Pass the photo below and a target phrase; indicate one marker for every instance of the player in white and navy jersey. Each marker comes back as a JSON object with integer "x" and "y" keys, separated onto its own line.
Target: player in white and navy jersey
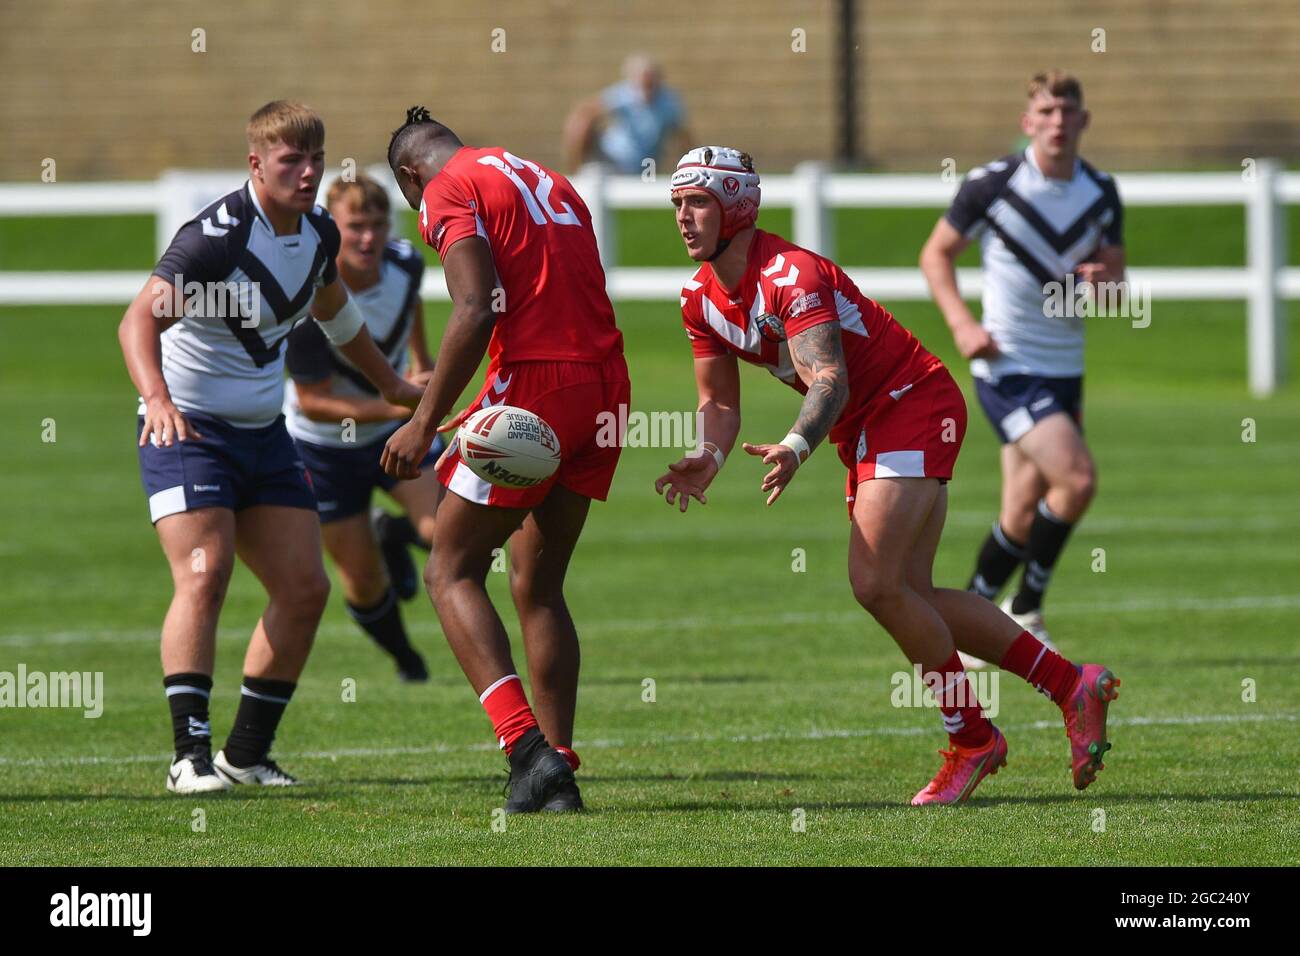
{"x": 340, "y": 422}
{"x": 1044, "y": 218}
{"x": 203, "y": 342}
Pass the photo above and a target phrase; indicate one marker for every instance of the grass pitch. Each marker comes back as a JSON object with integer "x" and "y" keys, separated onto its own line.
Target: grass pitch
{"x": 771, "y": 687}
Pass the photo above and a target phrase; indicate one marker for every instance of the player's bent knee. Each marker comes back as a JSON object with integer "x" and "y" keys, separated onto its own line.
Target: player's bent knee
{"x": 364, "y": 584}
{"x": 530, "y": 594}
{"x": 875, "y": 590}
{"x": 1085, "y": 485}
{"x": 439, "y": 578}
{"x": 1017, "y": 523}
{"x": 1080, "y": 487}
{"x": 924, "y": 589}
{"x": 317, "y": 592}
{"x": 204, "y": 588}
{"x": 306, "y": 595}
{"x": 520, "y": 586}
{"x": 368, "y": 591}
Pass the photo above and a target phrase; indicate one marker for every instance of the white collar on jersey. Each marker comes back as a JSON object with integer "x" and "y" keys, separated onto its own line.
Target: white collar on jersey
{"x": 261, "y": 213}
{"x": 1032, "y": 160}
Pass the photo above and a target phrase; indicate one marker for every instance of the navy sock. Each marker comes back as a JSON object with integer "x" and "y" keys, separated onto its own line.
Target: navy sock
{"x": 1047, "y": 537}
{"x": 400, "y": 528}
{"x": 998, "y": 559}
{"x": 261, "y": 705}
{"x": 187, "y": 698}
{"x": 383, "y": 622}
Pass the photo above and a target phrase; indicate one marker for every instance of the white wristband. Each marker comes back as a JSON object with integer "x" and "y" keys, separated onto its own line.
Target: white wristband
{"x": 346, "y": 324}
{"x": 716, "y": 452}
{"x": 798, "y": 445}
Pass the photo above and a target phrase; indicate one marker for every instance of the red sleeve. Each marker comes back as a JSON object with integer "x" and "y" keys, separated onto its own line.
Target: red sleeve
{"x": 704, "y": 342}
{"x": 799, "y": 292}
{"x": 446, "y": 216}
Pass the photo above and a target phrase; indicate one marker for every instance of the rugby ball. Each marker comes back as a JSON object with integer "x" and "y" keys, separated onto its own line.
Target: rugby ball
{"x": 508, "y": 446}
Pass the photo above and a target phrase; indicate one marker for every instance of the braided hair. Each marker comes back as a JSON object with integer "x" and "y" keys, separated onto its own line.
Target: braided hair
{"x": 417, "y": 120}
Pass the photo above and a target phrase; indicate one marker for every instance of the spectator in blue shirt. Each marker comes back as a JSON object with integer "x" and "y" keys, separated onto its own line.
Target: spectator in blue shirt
{"x": 628, "y": 122}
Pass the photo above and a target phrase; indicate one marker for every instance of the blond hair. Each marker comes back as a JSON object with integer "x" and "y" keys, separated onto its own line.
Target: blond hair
{"x": 1056, "y": 83}
{"x": 362, "y": 193}
{"x": 284, "y": 121}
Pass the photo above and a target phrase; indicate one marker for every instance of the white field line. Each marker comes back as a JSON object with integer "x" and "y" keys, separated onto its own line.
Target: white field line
{"x": 1130, "y": 606}
{"x": 1254, "y": 602}
{"x": 1101, "y": 525}
{"x": 613, "y": 743}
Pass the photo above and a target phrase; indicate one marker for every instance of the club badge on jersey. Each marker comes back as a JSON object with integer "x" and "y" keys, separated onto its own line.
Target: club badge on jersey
{"x": 770, "y": 327}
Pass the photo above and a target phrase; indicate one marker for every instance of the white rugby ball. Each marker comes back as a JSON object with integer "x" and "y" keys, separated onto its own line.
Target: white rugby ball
{"x": 508, "y": 446}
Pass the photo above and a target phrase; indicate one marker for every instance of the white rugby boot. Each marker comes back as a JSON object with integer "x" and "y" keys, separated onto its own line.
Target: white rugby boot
{"x": 193, "y": 773}
{"x": 267, "y": 773}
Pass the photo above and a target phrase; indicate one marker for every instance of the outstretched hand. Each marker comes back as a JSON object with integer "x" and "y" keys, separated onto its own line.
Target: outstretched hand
{"x": 785, "y": 462}
{"x": 686, "y": 479}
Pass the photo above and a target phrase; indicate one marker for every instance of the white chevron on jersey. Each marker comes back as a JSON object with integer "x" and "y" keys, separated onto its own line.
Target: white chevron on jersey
{"x": 218, "y": 364}
{"x": 388, "y": 310}
{"x": 850, "y": 315}
{"x": 747, "y": 339}
{"x": 756, "y": 321}
{"x": 778, "y": 264}
{"x": 499, "y": 390}
{"x": 1033, "y": 231}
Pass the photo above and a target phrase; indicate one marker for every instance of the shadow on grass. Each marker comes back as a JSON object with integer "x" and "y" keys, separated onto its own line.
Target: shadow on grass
{"x": 1184, "y": 663}
{"x": 224, "y": 796}
{"x": 680, "y": 679}
{"x": 788, "y": 804}
{"x": 722, "y": 776}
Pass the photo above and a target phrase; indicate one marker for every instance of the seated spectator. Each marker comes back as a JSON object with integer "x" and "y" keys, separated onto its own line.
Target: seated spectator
{"x": 628, "y": 122}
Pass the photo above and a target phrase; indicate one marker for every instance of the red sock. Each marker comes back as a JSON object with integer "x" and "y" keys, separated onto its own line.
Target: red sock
{"x": 962, "y": 718}
{"x": 508, "y": 709}
{"x": 1048, "y": 672}
{"x": 570, "y": 756}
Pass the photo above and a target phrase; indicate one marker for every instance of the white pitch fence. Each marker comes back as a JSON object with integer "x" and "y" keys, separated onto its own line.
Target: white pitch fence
{"x": 1265, "y": 283}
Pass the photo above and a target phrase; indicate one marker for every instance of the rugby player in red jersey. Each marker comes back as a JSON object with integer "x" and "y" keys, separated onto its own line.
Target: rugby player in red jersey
{"x": 896, "y": 418}
{"x": 527, "y": 287}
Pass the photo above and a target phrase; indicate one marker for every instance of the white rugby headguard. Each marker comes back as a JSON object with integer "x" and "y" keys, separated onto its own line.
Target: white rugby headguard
{"x": 728, "y": 175}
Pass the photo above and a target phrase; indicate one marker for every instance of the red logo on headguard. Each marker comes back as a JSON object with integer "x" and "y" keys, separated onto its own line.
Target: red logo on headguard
{"x": 731, "y": 185}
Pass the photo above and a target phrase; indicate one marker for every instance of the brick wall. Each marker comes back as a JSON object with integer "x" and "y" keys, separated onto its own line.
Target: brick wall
{"x": 113, "y": 90}
{"x": 1181, "y": 82}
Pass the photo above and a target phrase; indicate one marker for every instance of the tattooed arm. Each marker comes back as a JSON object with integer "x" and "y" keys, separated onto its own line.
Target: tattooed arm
{"x": 818, "y": 356}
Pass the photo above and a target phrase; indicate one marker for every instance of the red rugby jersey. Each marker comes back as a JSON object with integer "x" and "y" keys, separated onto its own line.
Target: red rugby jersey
{"x": 543, "y": 247}
{"x": 785, "y": 290}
